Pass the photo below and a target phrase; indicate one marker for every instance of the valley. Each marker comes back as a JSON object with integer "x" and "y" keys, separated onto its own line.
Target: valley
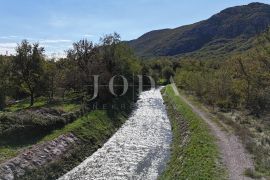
{"x": 189, "y": 102}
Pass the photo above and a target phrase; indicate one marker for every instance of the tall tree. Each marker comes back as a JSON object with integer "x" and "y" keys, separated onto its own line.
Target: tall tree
{"x": 85, "y": 56}
{"x": 27, "y": 66}
{"x": 50, "y": 76}
{"x": 4, "y": 69}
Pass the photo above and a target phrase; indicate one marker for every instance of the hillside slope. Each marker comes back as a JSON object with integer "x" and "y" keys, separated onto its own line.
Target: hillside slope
{"x": 226, "y": 31}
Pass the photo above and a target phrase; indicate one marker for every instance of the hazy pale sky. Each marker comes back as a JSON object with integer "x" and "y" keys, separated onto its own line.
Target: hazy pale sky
{"x": 55, "y": 24}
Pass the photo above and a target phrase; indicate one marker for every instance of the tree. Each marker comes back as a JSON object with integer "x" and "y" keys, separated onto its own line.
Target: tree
{"x": 108, "y": 58}
{"x": 254, "y": 76}
{"x": 4, "y": 69}
{"x": 27, "y": 67}
{"x": 168, "y": 72}
{"x": 109, "y": 44}
{"x": 85, "y": 56}
{"x": 50, "y": 76}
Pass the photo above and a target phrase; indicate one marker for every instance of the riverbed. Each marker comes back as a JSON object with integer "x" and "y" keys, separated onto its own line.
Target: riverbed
{"x": 140, "y": 149}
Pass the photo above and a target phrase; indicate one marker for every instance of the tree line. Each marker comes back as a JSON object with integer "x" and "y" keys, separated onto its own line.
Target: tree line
{"x": 240, "y": 82}
{"x": 30, "y": 74}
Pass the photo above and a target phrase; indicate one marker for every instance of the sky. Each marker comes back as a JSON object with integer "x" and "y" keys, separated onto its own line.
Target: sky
{"x": 56, "y": 24}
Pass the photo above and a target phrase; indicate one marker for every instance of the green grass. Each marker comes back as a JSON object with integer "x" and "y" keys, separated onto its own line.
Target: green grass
{"x": 6, "y": 152}
{"x": 92, "y": 126}
{"x": 24, "y": 104}
{"x": 66, "y": 106}
{"x": 162, "y": 81}
{"x": 198, "y": 157}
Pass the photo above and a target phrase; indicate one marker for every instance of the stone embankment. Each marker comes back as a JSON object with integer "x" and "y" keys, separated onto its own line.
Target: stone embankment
{"x": 37, "y": 156}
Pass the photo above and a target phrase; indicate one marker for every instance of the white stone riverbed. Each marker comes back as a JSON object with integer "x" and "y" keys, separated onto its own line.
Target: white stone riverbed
{"x": 140, "y": 149}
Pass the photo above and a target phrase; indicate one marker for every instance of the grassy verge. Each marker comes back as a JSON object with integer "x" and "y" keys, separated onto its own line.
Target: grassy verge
{"x": 194, "y": 152}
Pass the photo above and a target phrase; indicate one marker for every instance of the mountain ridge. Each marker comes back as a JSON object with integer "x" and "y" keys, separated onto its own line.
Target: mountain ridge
{"x": 239, "y": 23}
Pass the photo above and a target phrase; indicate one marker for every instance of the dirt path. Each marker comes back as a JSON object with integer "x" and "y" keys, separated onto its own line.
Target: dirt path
{"x": 233, "y": 153}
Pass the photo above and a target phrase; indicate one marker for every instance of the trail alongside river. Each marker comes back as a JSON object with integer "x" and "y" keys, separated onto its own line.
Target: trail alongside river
{"x": 234, "y": 155}
{"x": 139, "y": 149}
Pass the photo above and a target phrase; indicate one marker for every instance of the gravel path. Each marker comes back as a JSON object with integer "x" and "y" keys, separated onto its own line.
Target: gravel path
{"x": 236, "y": 159}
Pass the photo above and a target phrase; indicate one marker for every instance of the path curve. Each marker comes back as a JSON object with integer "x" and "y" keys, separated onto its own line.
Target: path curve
{"x": 236, "y": 159}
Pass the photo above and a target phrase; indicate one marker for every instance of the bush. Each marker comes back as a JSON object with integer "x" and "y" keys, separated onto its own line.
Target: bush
{"x": 167, "y": 73}
{"x": 16, "y": 124}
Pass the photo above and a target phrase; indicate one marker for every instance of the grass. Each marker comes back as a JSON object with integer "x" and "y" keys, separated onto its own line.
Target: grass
{"x": 65, "y": 106}
{"x": 6, "y": 153}
{"x": 194, "y": 153}
{"x": 24, "y": 104}
{"x": 89, "y": 127}
{"x": 162, "y": 81}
